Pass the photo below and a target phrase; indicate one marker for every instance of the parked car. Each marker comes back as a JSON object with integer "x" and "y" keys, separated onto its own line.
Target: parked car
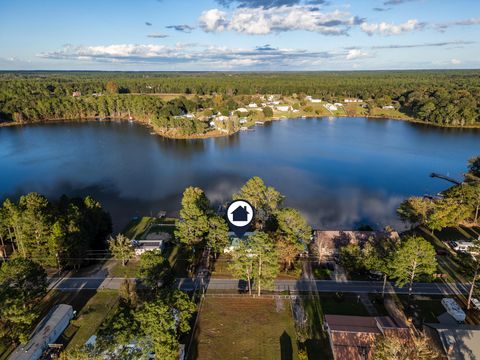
{"x": 476, "y": 304}
{"x": 442, "y": 252}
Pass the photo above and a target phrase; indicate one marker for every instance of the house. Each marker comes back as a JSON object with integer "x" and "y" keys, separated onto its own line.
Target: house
{"x": 388, "y": 107}
{"x": 283, "y": 108}
{"x": 212, "y": 123}
{"x": 76, "y": 94}
{"x": 354, "y": 337}
{"x": 234, "y": 240}
{"x": 142, "y": 246}
{"x": 312, "y": 100}
{"x": 338, "y": 104}
{"x": 353, "y": 101}
{"x": 252, "y": 105}
{"x": 221, "y": 118}
{"x": 243, "y": 120}
{"x": 330, "y": 107}
{"x": 242, "y": 110}
{"x": 45, "y": 334}
{"x": 456, "y": 342}
{"x": 328, "y": 242}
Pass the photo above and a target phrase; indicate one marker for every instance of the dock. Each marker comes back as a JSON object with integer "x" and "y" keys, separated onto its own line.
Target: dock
{"x": 445, "y": 177}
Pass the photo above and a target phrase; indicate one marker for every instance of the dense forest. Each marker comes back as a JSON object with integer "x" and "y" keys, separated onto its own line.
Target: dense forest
{"x": 447, "y": 98}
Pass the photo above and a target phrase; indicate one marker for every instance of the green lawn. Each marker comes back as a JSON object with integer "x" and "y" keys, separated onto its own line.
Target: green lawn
{"x": 136, "y": 227}
{"x": 91, "y": 317}
{"x": 118, "y": 270}
{"x": 244, "y": 328}
{"x": 179, "y": 260}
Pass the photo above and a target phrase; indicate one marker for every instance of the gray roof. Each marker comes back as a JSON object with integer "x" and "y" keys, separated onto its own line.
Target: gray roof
{"x": 46, "y": 332}
{"x": 460, "y": 342}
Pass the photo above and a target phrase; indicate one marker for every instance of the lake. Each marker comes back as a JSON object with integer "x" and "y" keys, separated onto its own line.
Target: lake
{"x": 340, "y": 172}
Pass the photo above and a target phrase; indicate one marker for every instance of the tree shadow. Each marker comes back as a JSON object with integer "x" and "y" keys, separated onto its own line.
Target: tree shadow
{"x": 286, "y": 348}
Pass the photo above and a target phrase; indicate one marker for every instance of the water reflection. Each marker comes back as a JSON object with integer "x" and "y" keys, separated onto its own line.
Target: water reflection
{"x": 341, "y": 173}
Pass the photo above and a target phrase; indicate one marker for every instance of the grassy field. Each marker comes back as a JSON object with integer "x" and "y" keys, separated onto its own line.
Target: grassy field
{"x": 118, "y": 270}
{"x": 137, "y": 228}
{"x": 244, "y": 328}
{"x": 90, "y": 317}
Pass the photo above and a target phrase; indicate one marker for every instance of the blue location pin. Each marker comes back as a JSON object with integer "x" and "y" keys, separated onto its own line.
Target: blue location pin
{"x": 240, "y": 215}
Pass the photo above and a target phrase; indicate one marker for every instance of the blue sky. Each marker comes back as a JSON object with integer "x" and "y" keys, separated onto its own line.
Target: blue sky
{"x": 239, "y": 35}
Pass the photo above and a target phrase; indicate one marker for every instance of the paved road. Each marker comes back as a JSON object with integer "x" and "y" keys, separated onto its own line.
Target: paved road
{"x": 358, "y": 287}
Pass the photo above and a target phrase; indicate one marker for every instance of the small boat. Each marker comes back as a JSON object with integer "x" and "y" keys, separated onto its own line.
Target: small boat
{"x": 259, "y": 123}
{"x": 153, "y": 133}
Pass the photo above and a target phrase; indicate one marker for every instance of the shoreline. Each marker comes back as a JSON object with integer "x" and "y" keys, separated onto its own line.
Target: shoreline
{"x": 172, "y": 133}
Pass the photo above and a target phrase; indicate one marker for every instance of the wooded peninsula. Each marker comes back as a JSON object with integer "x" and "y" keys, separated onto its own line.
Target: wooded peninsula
{"x": 201, "y": 104}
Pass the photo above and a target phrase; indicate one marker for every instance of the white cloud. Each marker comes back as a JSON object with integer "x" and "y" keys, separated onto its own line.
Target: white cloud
{"x": 259, "y": 21}
{"x": 194, "y": 54}
{"x": 465, "y": 22}
{"x": 213, "y": 20}
{"x": 455, "y": 62}
{"x": 385, "y": 28}
{"x": 354, "y": 54}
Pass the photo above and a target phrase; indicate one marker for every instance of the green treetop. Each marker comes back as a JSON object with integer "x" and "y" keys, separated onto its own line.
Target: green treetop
{"x": 414, "y": 258}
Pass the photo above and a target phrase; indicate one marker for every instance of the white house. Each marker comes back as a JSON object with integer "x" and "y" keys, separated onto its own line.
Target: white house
{"x": 313, "y": 100}
{"x": 234, "y": 240}
{"x": 242, "y": 110}
{"x": 388, "y": 107}
{"x": 142, "y": 246}
{"x": 338, "y": 104}
{"x": 353, "y": 101}
{"x": 221, "y": 118}
{"x": 243, "y": 120}
{"x": 252, "y": 105}
{"x": 283, "y": 108}
{"x": 47, "y": 332}
{"x": 330, "y": 107}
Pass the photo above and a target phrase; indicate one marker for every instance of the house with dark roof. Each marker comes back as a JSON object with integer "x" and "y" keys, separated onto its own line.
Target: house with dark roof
{"x": 328, "y": 242}
{"x": 455, "y": 341}
{"x": 354, "y": 337}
